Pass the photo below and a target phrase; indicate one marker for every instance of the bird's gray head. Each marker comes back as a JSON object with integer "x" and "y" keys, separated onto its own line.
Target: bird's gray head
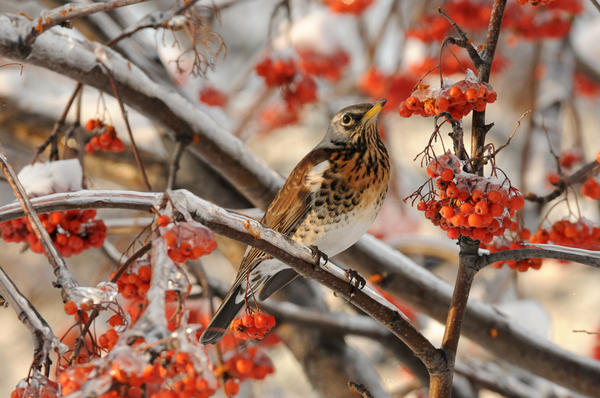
{"x": 353, "y": 123}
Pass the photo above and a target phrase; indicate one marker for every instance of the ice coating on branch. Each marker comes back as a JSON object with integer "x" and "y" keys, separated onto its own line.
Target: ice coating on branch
{"x": 104, "y": 293}
{"x": 47, "y": 178}
{"x": 38, "y": 385}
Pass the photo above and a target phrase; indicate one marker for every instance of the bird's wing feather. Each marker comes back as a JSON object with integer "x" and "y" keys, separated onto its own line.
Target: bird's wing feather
{"x": 290, "y": 206}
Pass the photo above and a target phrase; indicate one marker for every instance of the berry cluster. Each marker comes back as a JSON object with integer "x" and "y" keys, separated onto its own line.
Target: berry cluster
{"x": 297, "y": 89}
{"x": 135, "y": 284}
{"x": 172, "y": 374}
{"x": 318, "y": 64}
{"x": 253, "y": 326}
{"x": 503, "y": 244}
{"x": 355, "y": 7}
{"x": 251, "y": 364}
{"x": 213, "y": 97}
{"x": 579, "y": 234}
{"x": 457, "y": 99}
{"x": 104, "y": 139}
{"x": 550, "y": 21}
{"x": 277, "y": 72}
{"x": 72, "y": 231}
{"x": 467, "y": 204}
{"x": 187, "y": 241}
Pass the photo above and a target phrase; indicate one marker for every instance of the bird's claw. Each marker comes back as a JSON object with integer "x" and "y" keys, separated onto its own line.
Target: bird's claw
{"x": 318, "y": 255}
{"x": 356, "y": 281}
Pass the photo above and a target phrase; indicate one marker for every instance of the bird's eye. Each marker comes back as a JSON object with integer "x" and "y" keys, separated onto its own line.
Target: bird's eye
{"x": 346, "y": 120}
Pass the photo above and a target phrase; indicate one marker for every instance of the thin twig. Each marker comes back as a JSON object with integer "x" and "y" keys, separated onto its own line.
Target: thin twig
{"x": 596, "y": 4}
{"x": 479, "y": 128}
{"x": 463, "y": 42}
{"x": 493, "y": 154}
{"x": 53, "y": 137}
{"x": 136, "y": 154}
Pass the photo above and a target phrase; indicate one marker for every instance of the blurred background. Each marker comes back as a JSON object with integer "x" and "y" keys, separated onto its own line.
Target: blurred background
{"x": 345, "y": 52}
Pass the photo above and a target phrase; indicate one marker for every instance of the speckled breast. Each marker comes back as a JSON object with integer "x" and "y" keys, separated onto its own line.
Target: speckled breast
{"x": 348, "y": 200}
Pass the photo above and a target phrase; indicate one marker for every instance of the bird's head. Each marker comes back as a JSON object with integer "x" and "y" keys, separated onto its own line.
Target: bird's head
{"x": 353, "y": 123}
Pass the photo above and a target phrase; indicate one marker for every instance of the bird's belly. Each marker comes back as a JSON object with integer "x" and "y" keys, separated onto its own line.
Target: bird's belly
{"x": 334, "y": 235}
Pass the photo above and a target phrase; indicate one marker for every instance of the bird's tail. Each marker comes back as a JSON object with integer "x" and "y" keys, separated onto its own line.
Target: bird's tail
{"x": 219, "y": 324}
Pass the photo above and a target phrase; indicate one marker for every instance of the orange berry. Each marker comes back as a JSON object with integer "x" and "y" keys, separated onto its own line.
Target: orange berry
{"x": 163, "y": 220}
{"x": 472, "y": 95}
{"x": 455, "y": 92}
{"x": 496, "y": 210}
{"x": 412, "y": 103}
{"x": 477, "y": 194}
{"x": 517, "y": 202}
{"x": 70, "y": 307}
{"x": 475, "y": 220}
{"x": 231, "y": 387}
{"x": 441, "y": 104}
{"x": 90, "y": 125}
{"x": 491, "y": 97}
{"x": 467, "y": 208}
{"x": 481, "y": 207}
{"x": 598, "y": 157}
{"x": 447, "y": 211}
{"x": 447, "y": 174}
{"x": 494, "y": 196}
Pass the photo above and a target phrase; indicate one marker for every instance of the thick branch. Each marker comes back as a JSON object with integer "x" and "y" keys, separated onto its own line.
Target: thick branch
{"x": 76, "y": 58}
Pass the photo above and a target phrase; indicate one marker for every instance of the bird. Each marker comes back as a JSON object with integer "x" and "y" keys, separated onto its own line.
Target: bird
{"x": 328, "y": 202}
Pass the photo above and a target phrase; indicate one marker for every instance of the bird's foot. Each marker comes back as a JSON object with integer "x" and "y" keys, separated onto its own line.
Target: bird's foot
{"x": 356, "y": 281}
{"x": 318, "y": 255}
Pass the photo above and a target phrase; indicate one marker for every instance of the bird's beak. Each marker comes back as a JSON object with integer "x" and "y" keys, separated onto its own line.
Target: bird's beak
{"x": 374, "y": 111}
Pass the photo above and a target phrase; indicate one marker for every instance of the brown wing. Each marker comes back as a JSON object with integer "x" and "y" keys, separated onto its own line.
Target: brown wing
{"x": 290, "y": 206}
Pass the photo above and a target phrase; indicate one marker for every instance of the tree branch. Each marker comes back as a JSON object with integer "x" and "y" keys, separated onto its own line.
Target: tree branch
{"x": 62, "y": 14}
{"x": 578, "y": 176}
{"x": 64, "y": 278}
{"x": 45, "y": 340}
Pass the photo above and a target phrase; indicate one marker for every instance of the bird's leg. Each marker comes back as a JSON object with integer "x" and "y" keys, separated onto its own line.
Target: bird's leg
{"x": 318, "y": 255}
{"x": 356, "y": 281}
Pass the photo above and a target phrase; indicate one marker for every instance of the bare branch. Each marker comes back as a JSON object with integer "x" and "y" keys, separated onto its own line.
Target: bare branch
{"x": 69, "y": 11}
{"x": 136, "y": 154}
{"x": 578, "y": 176}
{"x": 463, "y": 42}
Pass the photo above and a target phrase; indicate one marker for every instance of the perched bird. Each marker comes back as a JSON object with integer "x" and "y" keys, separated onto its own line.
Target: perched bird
{"x": 329, "y": 201}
